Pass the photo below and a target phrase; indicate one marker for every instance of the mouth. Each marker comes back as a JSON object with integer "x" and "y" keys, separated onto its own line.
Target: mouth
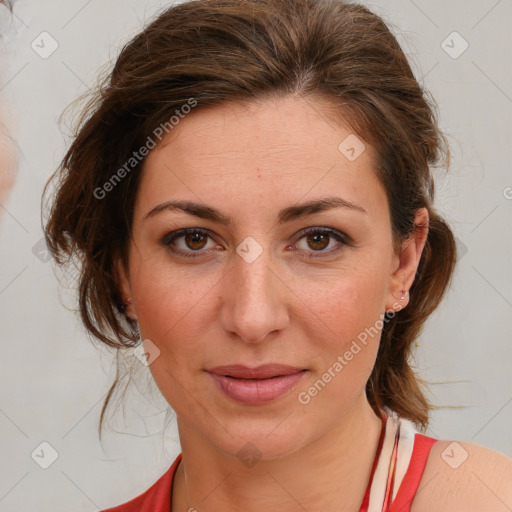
{"x": 266, "y": 371}
{"x": 256, "y": 386}
{"x": 255, "y": 380}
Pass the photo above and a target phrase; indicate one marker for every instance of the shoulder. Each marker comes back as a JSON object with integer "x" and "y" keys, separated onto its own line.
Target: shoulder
{"x": 465, "y": 477}
{"x": 157, "y": 497}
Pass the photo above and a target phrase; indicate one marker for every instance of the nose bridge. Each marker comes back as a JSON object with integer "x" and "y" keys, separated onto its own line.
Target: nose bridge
{"x": 253, "y": 278}
{"x": 253, "y": 305}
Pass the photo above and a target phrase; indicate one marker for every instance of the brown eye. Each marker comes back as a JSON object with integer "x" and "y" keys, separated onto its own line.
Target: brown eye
{"x": 190, "y": 243}
{"x": 317, "y": 240}
{"x": 195, "y": 240}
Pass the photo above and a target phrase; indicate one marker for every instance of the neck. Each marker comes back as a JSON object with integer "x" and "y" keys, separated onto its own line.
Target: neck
{"x": 330, "y": 473}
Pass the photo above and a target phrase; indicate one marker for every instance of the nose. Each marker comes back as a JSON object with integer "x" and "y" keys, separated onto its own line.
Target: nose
{"x": 255, "y": 299}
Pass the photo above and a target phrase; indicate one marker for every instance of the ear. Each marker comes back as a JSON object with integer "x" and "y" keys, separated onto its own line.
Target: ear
{"x": 124, "y": 287}
{"x": 403, "y": 274}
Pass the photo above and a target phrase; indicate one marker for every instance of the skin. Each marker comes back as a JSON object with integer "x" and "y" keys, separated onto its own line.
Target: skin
{"x": 481, "y": 483}
{"x": 7, "y": 164}
{"x": 286, "y": 307}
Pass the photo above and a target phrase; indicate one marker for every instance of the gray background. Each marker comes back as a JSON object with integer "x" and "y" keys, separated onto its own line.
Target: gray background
{"x": 54, "y": 380}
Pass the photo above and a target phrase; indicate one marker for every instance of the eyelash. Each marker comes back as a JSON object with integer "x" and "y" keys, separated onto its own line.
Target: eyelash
{"x": 343, "y": 240}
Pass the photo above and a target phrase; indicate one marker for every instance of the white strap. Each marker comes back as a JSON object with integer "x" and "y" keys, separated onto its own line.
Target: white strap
{"x": 404, "y": 453}
{"x": 380, "y": 477}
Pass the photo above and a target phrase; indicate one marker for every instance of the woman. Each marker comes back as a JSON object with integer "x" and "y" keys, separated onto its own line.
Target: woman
{"x": 251, "y": 195}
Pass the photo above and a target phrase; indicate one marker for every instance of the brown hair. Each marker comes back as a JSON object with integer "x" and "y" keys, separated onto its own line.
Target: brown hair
{"x": 215, "y": 51}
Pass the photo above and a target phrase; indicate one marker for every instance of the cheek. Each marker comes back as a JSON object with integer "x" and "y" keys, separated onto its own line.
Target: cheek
{"x": 344, "y": 301}
{"x": 173, "y": 312}
{"x": 174, "y": 304}
{"x": 342, "y": 314}
{"x": 343, "y": 335}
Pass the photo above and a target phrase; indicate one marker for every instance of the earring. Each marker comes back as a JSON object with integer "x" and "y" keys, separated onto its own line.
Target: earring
{"x": 403, "y": 295}
{"x": 124, "y": 305}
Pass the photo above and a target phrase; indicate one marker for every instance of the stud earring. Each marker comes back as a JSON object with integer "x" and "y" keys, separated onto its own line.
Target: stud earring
{"x": 403, "y": 295}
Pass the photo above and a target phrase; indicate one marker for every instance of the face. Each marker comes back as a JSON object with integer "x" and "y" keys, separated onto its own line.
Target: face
{"x": 264, "y": 280}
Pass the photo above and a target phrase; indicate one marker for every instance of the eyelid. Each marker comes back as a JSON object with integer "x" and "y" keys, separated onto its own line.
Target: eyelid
{"x": 342, "y": 238}
{"x": 324, "y": 230}
{"x": 169, "y": 238}
{"x": 173, "y": 235}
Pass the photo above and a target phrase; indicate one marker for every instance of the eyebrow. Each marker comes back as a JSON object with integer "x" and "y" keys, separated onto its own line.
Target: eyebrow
{"x": 286, "y": 215}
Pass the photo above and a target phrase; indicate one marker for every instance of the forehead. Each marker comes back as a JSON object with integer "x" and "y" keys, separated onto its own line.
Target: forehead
{"x": 270, "y": 152}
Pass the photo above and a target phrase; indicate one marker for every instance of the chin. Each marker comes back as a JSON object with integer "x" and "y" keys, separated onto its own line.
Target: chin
{"x": 266, "y": 440}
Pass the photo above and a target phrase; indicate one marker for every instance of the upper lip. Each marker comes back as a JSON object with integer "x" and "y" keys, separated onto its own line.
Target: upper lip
{"x": 265, "y": 371}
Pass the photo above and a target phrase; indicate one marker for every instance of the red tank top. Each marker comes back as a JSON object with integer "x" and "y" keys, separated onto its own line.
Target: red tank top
{"x": 158, "y": 497}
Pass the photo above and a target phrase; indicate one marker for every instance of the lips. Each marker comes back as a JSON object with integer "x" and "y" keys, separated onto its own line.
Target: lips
{"x": 266, "y": 371}
{"x": 256, "y": 386}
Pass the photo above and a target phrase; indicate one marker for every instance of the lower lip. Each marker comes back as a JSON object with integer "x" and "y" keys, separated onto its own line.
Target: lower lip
{"x": 259, "y": 391}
